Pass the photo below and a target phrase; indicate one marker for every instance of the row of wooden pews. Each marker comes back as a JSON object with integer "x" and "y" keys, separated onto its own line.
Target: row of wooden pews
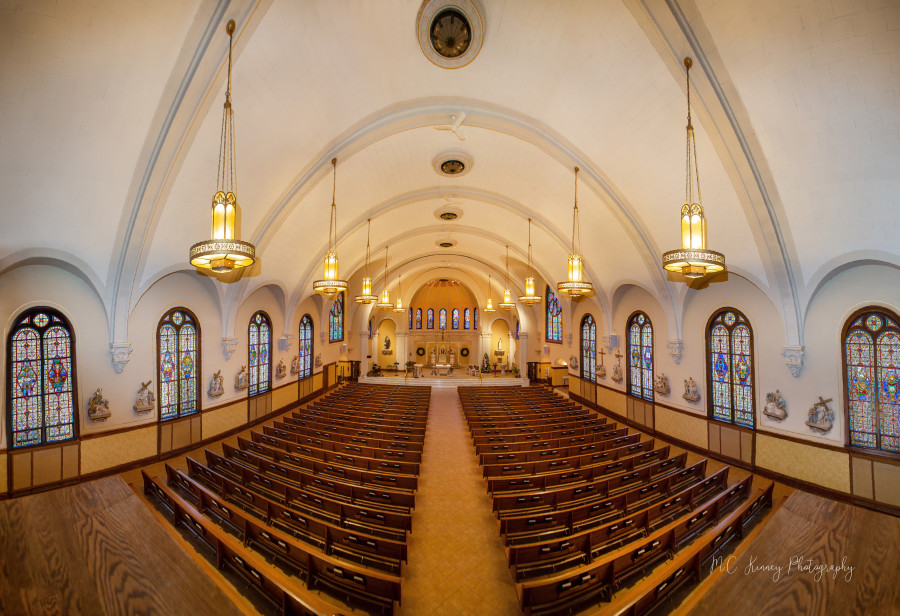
{"x": 320, "y": 499}
{"x": 585, "y": 506}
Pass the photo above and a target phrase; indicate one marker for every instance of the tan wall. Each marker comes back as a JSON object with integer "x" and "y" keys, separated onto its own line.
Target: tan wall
{"x": 683, "y": 427}
{"x": 887, "y": 483}
{"x": 225, "y": 419}
{"x": 575, "y": 385}
{"x": 284, "y": 396}
{"x": 317, "y": 381}
{"x": 3, "y": 471}
{"x": 612, "y": 400}
{"x": 108, "y": 451}
{"x": 813, "y": 464}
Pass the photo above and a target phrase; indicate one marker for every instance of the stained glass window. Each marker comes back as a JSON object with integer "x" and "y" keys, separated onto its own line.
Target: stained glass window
{"x": 336, "y": 319}
{"x": 42, "y": 376}
{"x": 260, "y": 337}
{"x": 410, "y": 317}
{"x": 418, "y": 318}
{"x": 517, "y": 330}
{"x": 553, "y": 317}
{"x": 872, "y": 369}
{"x": 177, "y": 341}
{"x": 454, "y": 318}
{"x": 442, "y": 319}
{"x": 430, "y": 318}
{"x": 475, "y": 318}
{"x": 588, "y": 348}
{"x": 306, "y": 346}
{"x": 467, "y": 318}
{"x": 730, "y": 344}
{"x": 640, "y": 356}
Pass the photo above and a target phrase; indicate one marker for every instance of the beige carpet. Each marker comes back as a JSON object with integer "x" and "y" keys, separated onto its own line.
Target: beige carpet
{"x": 456, "y": 562}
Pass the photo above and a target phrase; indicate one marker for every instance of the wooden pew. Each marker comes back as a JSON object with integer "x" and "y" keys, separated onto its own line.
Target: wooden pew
{"x": 318, "y": 436}
{"x": 286, "y": 593}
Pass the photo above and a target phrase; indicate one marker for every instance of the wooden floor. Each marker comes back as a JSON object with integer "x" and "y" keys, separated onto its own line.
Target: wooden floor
{"x": 95, "y": 548}
{"x": 815, "y": 556}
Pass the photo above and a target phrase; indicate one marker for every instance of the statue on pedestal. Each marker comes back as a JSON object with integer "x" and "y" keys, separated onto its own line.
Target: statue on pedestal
{"x": 821, "y": 417}
{"x": 241, "y": 379}
{"x": 217, "y": 385}
{"x": 280, "y": 370}
{"x": 145, "y": 399}
{"x": 98, "y": 406}
{"x": 691, "y": 394}
{"x": 776, "y": 407}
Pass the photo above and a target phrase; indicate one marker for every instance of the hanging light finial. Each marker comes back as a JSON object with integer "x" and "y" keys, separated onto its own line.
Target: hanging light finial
{"x": 530, "y": 298}
{"x": 575, "y": 287}
{"x": 331, "y": 285}
{"x": 490, "y": 301}
{"x": 398, "y": 307}
{"x": 693, "y": 259}
{"x": 225, "y": 251}
{"x": 385, "y": 301}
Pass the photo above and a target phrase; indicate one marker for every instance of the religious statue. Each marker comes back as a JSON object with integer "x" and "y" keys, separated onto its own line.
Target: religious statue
{"x": 573, "y": 362}
{"x": 821, "y": 417}
{"x": 98, "y": 406}
{"x": 217, "y": 385}
{"x": 452, "y": 357}
{"x": 601, "y": 371}
{"x": 617, "y": 369}
{"x": 661, "y": 384}
{"x": 295, "y": 365}
{"x": 387, "y": 343}
{"x": 280, "y": 370}
{"x": 691, "y": 394}
{"x": 432, "y": 356}
{"x": 776, "y": 407}
{"x": 145, "y": 399}
{"x": 319, "y": 360}
{"x": 241, "y": 379}
{"x": 500, "y": 344}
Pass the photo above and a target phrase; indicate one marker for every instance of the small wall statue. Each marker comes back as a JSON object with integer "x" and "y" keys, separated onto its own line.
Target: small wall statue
{"x": 241, "y": 379}
{"x": 691, "y": 394}
{"x": 295, "y": 365}
{"x": 98, "y": 406}
{"x": 573, "y": 362}
{"x": 217, "y": 385}
{"x": 319, "y": 360}
{"x": 280, "y": 370}
{"x": 601, "y": 369}
{"x": 145, "y": 399}
{"x": 821, "y": 417}
{"x": 617, "y": 369}
{"x": 661, "y": 384}
{"x": 776, "y": 407}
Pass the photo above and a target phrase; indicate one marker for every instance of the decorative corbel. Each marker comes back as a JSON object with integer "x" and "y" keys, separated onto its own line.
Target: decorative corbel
{"x": 793, "y": 359}
{"x": 675, "y": 348}
{"x": 121, "y": 353}
{"x": 228, "y": 347}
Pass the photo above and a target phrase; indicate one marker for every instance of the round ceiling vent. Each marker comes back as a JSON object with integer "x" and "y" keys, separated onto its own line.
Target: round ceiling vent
{"x": 448, "y": 212}
{"x": 446, "y": 243}
{"x": 450, "y": 32}
{"x": 452, "y": 164}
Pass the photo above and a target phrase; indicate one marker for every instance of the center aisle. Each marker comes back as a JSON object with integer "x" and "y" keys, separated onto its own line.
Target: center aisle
{"x": 456, "y": 562}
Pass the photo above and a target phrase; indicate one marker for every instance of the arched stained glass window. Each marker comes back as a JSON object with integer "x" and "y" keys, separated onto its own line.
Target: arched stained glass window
{"x": 177, "y": 341}
{"x": 454, "y": 318}
{"x": 430, "y": 318}
{"x": 410, "y": 317}
{"x": 418, "y": 318}
{"x": 475, "y": 318}
{"x": 467, "y": 318}
{"x": 730, "y": 359}
{"x": 640, "y": 356}
{"x": 336, "y": 319}
{"x": 41, "y": 360}
{"x": 517, "y": 330}
{"x": 588, "y": 348}
{"x": 260, "y": 336}
{"x": 306, "y": 346}
{"x": 553, "y": 320}
{"x": 872, "y": 368}
{"x": 442, "y": 319}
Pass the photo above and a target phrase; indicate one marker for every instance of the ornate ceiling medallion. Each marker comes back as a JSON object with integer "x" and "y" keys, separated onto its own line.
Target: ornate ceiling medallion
{"x": 448, "y": 213}
{"x": 452, "y": 164}
{"x": 450, "y": 32}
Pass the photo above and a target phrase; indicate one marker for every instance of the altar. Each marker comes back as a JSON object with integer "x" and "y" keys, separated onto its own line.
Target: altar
{"x": 442, "y": 370}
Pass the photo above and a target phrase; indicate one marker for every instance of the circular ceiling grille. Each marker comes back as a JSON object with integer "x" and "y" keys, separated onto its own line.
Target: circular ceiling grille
{"x": 450, "y": 32}
{"x": 453, "y": 167}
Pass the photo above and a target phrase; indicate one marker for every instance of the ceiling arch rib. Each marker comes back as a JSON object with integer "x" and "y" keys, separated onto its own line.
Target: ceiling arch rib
{"x": 428, "y": 112}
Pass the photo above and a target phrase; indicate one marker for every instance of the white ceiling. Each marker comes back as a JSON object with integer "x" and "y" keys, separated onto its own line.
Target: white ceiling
{"x": 112, "y": 109}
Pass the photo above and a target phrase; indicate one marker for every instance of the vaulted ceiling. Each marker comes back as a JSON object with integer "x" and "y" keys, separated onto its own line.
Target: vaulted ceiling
{"x": 112, "y": 112}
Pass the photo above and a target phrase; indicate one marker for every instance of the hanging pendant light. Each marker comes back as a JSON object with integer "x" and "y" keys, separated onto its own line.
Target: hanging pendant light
{"x": 385, "y": 301}
{"x": 576, "y": 287}
{"x": 530, "y": 298}
{"x": 693, "y": 259}
{"x": 225, "y": 251}
{"x": 331, "y": 285}
{"x": 490, "y": 301}
{"x": 398, "y": 307}
{"x": 507, "y": 302}
{"x": 366, "y": 296}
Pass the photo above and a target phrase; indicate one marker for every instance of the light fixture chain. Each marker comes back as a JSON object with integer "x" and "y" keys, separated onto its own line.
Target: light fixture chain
{"x": 332, "y": 223}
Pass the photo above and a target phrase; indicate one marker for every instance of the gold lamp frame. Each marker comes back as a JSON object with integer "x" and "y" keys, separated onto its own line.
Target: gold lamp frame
{"x": 331, "y": 285}
{"x": 576, "y": 287}
{"x": 366, "y": 296}
{"x": 530, "y": 298}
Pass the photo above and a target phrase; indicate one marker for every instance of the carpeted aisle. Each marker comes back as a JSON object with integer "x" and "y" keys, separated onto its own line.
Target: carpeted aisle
{"x": 456, "y": 562}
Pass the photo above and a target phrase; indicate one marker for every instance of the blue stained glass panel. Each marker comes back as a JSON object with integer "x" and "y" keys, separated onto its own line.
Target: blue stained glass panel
{"x": 430, "y": 318}
{"x": 466, "y": 318}
{"x": 306, "y": 346}
{"x": 418, "y": 318}
{"x": 553, "y": 317}
{"x": 588, "y": 348}
{"x": 454, "y": 319}
{"x": 336, "y": 319}
{"x": 442, "y": 318}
